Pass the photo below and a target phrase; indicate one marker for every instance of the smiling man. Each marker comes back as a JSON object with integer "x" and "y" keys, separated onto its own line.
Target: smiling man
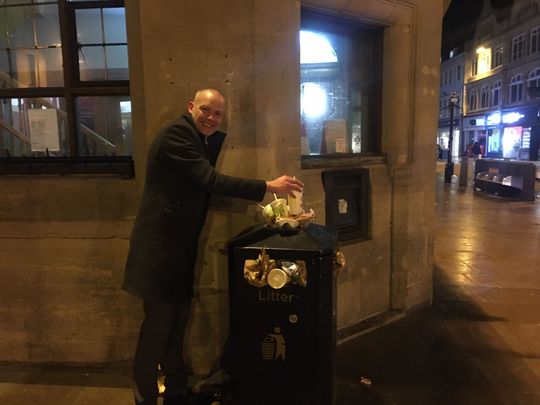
{"x": 207, "y": 111}
{"x": 180, "y": 179}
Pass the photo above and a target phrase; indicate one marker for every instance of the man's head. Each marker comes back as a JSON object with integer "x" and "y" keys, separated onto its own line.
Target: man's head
{"x": 207, "y": 109}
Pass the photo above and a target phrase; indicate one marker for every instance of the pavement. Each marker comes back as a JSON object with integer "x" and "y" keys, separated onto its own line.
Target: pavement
{"x": 479, "y": 343}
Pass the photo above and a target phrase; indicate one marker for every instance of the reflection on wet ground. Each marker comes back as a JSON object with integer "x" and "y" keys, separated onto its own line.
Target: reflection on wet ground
{"x": 480, "y": 341}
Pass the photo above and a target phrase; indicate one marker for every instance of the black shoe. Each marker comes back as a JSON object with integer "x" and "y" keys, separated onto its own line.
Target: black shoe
{"x": 178, "y": 399}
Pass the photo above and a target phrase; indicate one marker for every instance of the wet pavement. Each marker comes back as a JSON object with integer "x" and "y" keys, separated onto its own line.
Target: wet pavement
{"x": 479, "y": 343}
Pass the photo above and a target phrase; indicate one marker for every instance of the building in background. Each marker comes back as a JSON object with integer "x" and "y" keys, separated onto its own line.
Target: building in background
{"x": 501, "y": 81}
{"x": 451, "y": 82}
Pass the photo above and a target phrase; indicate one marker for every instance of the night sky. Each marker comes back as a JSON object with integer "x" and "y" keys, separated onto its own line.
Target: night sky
{"x": 459, "y": 22}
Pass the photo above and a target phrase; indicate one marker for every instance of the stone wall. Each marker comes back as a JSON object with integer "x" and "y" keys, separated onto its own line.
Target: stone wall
{"x": 66, "y": 238}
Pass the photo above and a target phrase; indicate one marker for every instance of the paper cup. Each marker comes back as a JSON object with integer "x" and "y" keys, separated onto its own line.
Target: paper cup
{"x": 278, "y": 278}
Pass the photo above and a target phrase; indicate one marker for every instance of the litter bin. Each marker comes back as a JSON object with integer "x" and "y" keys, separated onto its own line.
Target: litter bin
{"x": 283, "y": 334}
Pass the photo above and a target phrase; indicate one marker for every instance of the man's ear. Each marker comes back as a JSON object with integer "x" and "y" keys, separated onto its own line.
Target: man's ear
{"x": 190, "y": 106}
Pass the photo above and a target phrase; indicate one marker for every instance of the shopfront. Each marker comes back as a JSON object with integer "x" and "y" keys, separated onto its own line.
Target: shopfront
{"x": 502, "y": 134}
{"x": 443, "y": 137}
{"x": 475, "y": 130}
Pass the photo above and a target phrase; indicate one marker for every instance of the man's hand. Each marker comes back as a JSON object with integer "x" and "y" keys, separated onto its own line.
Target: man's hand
{"x": 284, "y": 184}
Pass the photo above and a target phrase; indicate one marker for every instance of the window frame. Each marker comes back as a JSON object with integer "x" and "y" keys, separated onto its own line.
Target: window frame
{"x": 497, "y": 56}
{"x": 473, "y": 99}
{"x": 534, "y": 40}
{"x": 495, "y": 90}
{"x": 515, "y": 86}
{"x": 518, "y": 47}
{"x": 533, "y": 76}
{"x": 484, "y": 96}
{"x": 315, "y": 20}
{"x": 72, "y": 89}
{"x": 474, "y": 65}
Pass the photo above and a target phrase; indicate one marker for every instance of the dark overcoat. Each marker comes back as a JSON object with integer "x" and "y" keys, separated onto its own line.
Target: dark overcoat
{"x": 180, "y": 178}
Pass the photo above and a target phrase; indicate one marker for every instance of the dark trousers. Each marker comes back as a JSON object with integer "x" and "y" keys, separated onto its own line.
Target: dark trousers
{"x": 161, "y": 341}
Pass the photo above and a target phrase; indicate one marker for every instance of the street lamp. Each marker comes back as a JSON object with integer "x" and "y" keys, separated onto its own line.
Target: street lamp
{"x": 449, "y": 169}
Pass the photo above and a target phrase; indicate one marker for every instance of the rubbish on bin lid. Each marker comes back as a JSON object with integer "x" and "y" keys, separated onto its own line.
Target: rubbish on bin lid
{"x": 287, "y": 222}
{"x": 277, "y": 214}
{"x": 365, "y": 382}
{"x": 257, "y": 272}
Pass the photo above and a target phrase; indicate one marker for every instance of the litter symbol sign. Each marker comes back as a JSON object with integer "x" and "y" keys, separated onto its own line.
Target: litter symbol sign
{"x": 274, "y": 346}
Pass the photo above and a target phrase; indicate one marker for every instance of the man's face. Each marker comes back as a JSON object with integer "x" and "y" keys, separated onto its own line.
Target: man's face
{"x": 207, "y": 111}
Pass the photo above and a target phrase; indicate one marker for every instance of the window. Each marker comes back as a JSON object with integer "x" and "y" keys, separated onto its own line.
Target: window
{"x": 474, "y": 66}
{"x": 495, "y": 93}
{"x": 64, "y": 88}
{"x": 484, "y": 59}
{"x": 458, "y": 73}
{"x": 473, "y": 98}
{"x": 533, "y": 81}
{"x": 340, "y": 79}
{"x": 535, "y": 40}
{"x": 484, "y": 96}
{"x": 498, "y": 56}
{"x": 516, "y": 88}
{"x": 443, "y": 107}
{"x": 518, "y": 46}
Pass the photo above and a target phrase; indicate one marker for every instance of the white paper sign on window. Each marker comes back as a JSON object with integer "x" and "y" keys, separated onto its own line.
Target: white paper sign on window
{"x": 43, "y": 130}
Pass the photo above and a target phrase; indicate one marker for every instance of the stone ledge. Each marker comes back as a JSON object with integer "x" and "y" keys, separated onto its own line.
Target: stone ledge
{"x": 341, "y": 160}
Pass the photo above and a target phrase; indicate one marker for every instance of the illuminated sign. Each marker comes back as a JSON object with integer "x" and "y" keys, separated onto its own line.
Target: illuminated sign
{"x": 494, "y": 119}
{"x": 512, "y": 117}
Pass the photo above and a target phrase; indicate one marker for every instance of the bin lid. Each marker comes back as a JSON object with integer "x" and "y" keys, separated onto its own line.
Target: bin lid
{"x": 313, "y": 237}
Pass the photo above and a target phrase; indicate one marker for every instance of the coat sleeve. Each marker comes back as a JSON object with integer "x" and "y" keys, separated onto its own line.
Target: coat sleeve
{"x": 185, "y": 152}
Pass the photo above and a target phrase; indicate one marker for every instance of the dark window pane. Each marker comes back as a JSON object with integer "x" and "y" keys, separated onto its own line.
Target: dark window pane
{"x": 117, "y": 63}
{"x": 47, "y": 25}
{"x": 105, "y": 125}
{"x": 31, "y": 126}
{"x": 23, "y": 68}
{"x": 115, "y": 25}
{"x": 20, "y": 31}
{"x": 30, "y": 30}
{"x": 31, "y": 68}
{"x": 92, "y": 63}
{"x": 4, "y": 68}
{"x": 89, "y": 26}
{"x": 50, "y": 67}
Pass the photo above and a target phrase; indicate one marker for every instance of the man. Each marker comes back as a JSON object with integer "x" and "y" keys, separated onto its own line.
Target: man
{"x": 180, "y": 178}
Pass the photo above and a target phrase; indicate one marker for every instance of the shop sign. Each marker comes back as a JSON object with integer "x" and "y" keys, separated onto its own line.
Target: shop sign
{"x": 510, "y": 118}
{"x": 494, "y": 119}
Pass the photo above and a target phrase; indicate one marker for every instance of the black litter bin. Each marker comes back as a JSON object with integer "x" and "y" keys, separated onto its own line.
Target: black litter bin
{"x": 283, "y": 337}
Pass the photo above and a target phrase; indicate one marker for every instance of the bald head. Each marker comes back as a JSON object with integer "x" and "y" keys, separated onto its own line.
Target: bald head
{"x": 207, "y": 109}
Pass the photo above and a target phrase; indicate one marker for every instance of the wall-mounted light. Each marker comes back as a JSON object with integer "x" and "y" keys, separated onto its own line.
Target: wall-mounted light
{"x": 314, "y": 100}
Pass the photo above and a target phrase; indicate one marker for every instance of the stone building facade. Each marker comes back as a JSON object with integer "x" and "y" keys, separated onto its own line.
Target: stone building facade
{"x": 502, "y": 64}
{"x": 65, "y": 238}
